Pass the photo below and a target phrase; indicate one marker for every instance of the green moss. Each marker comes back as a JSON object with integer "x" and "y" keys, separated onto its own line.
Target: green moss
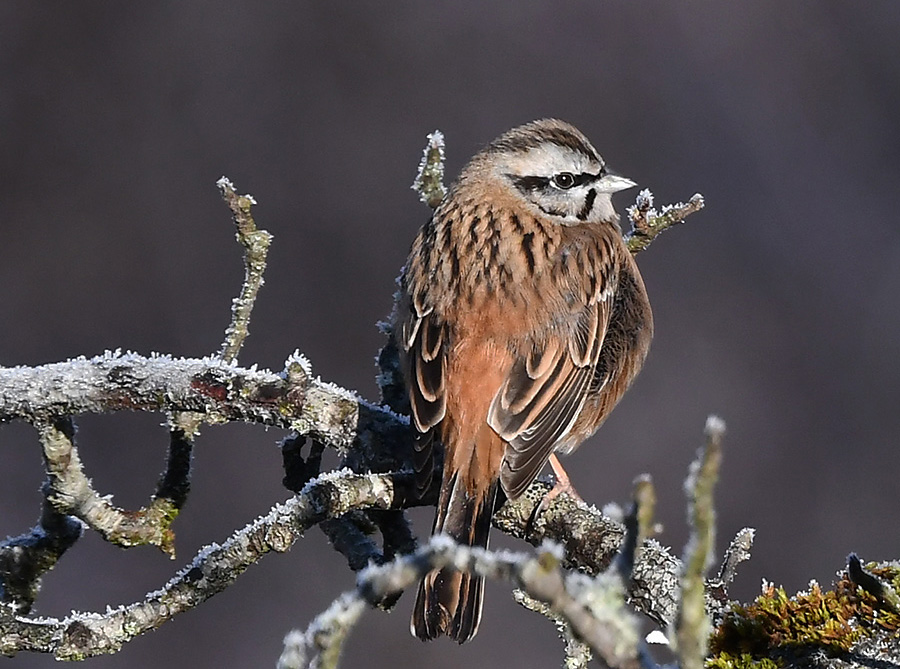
{"x": 775, "y": 627}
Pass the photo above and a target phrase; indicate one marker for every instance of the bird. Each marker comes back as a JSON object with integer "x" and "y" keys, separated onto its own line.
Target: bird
{"x": 521, "y": 319}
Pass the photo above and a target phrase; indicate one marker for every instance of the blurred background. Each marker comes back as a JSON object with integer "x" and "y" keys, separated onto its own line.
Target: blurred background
{"x": 777, "y": 307}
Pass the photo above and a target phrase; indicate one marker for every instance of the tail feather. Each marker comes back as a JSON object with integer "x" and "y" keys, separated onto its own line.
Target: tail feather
{"x": 448, "y": 601}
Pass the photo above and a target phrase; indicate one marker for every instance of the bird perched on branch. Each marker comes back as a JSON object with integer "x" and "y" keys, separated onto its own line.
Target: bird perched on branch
{"x": 522, "y": 319}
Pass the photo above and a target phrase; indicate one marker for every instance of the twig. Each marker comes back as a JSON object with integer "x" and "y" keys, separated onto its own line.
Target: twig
{"x": 26, "y": 558}
{"x": 429, "y": 181}
{"x": 70, "y": 492}
{"x": 638, "y": 526}
{"x": 82, "y": 635}
{"x": 591, "y": 541}
{"x": 647, "y": 223}
{"x": 577, "y": 653}
{"x": 693, "y": 624}
{"x": 256, "y": 247}
{"x": 184, "y": 426}
{"x": 320, "y": 646}
{"x": 593, "y": 607}
{"x": 717, "y": 600}
{"x": 738, "y": 551}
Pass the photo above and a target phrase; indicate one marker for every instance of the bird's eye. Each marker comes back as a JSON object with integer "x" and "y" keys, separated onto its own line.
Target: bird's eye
{"x": 564, "y": 180}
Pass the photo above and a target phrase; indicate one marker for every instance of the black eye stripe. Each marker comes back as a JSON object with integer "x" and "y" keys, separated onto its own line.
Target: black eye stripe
{"x": 526, "y": 184}
{"x": 585, "y": 178}
{"x": 534, "y": 183}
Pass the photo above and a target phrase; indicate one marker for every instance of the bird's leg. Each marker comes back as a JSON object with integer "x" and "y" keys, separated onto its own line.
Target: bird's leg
{"x": 563, "y": 485}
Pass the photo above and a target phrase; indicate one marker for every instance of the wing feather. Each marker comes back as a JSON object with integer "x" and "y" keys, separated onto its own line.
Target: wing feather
{"x": 544, "y": 393}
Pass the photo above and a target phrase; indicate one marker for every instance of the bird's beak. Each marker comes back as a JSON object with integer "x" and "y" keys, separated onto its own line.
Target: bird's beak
{"x": 613, "y": 183}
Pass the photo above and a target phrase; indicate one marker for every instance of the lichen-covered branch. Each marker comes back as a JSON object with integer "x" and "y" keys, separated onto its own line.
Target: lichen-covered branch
{"x": 647, "y": 223}
{"x": 221, "y": 391}
{"x": 429, "y": 181}
{"x": 256, "y": 247}
{"x": 593, "y": 607}
{"x": 591, "y": 541}
{"x": 184, "y": 426}
{"x": 693, "y": 625}
{"x": 82, "y": 635}
{"x": 69, "y": 491}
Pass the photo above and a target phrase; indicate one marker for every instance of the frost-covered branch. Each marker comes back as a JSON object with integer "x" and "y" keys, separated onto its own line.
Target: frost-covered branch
{"x": 70, "y": 492}
{"x": 647, "y": 223}
{"x": 693, "y": 624}
{"x": 591, "y": 541}
{"x": 593, "y": 607}
{"x": 221, "y": 391}
{"x": 256, "y": 247}
{"x": 184, "y": 426}
{"x": 82, "y": 635}
{"x": 429, "y": 181}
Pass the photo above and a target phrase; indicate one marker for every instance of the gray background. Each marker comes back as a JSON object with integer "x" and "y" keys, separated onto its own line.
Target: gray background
{"x": 776, "y": 307}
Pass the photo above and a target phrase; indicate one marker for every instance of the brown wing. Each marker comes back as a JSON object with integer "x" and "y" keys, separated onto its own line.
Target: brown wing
{"x": 544, "y": 393}
{"x": 424, "y": 339}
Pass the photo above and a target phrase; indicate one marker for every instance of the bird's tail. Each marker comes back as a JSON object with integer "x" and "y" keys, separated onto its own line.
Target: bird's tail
{"x": 448, "y": 601}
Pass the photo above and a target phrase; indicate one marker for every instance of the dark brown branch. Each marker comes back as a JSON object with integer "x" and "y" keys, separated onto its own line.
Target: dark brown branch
{"x": 26, "y": 558}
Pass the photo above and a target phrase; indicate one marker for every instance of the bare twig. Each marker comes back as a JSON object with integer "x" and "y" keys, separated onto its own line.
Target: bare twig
{"x": 70, "y": 492}
{"x": 738, "y": 551}
{"x": 320, "y": 645}
{"x": 593, "y": 607}
{"x": 647, "y": 223}
{"x": 577, "y": 653}
{"x": 215, "y": 567}
{"x": 184, "y": 426}
{"x": 256, "y": 247}
{"x": 429, "y": 181}
{"x": 26, "y": 558}
{"x": 638, "y": 526}
{"x": 693, "y": 625}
